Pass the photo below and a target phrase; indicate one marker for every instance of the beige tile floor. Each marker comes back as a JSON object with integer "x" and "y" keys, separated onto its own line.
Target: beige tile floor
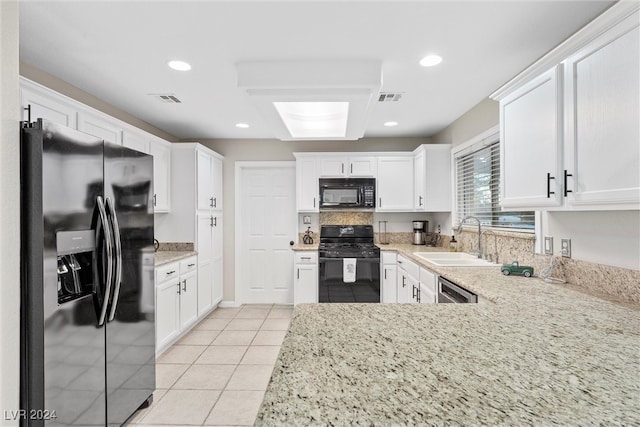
{"x": 217, "y": 374}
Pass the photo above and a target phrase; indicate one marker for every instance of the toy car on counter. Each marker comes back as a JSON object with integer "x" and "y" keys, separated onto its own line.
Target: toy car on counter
{"x": 516, "y": 269}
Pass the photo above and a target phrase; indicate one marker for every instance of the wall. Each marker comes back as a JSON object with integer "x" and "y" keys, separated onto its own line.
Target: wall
{"x": 481, "y": 117}
{"x": 9, "y": 212}
{"x": 54, "y": 83}
{"x": 274, "y": 150}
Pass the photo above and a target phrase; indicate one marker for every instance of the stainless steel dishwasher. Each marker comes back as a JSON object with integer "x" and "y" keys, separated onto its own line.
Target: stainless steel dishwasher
{"x": 449, "y": 292}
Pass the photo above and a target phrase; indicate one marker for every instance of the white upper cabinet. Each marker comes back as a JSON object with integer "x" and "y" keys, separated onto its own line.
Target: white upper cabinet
{"x": 602, "y": 143}
{"x": 307, "y": 197}
{"x": 135, "y": 141}
{"x": 204, "y": 169}
{"x": 530, "y": 150}
{"x": 100, "y": 126}
{"x": 395, "y": 184}
{"x": 60, "y": 109}
{"x": 342, "y": 166}
{"x": 209, "y": 179}
{"x": 570, "y": 135}
{"x": 161, "y": 152}
{"x": 47, "y": 105}
{"x": 216, "y": 172}
{"x": 432, "y": 178}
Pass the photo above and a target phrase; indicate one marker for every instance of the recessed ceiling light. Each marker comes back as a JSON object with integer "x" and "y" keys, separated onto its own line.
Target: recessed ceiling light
{"x": 314, "y": 119}
{"x": 179, "y": 65}
{"x": 391, "y": 124}
{"x": 242, "y": 125}
{"x": 430, "y": 60}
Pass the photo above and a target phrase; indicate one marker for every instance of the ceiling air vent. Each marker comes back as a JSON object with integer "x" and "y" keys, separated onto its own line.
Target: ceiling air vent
{"x": 167, "y": 98}
{"x": 389, "y": 97}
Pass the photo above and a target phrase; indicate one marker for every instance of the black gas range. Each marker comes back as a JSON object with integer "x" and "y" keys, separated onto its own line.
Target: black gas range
{"x": 349, "y": 264}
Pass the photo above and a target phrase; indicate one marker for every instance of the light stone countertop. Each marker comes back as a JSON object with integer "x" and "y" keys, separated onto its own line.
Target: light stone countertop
{"x": 165, "y": 257}
{"x": 543, "y": 354}
{"x": 303, "y": 247}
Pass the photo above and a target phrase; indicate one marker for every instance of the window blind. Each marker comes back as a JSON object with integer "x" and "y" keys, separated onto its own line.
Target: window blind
{"x": 478, "y": 191}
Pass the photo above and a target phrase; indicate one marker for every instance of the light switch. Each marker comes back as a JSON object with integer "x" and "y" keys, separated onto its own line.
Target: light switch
{"x": 306, "y": 219}
{"x": 548, "y": 245}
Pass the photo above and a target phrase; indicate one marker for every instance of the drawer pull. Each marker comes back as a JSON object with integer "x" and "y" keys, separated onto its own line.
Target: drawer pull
{"x": 170, "y": 272}
{"x": 190, "y": 265}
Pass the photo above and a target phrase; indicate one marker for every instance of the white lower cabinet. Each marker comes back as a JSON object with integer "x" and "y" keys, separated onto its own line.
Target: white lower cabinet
{"x": 389, "y": 277}
{"x": 428, "y": 286}
{"x": 407, "y": 280}
{"x": 305, "y": 278}
{"x": 176, "y": 301}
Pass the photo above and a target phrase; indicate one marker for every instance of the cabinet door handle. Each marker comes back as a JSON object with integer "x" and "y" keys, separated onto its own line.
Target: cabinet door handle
{"x": 215, "y": 202}
{"x": 184, "y": 285}
{"x": 314, "y": 202}
{"x": 351, "y": 170}
{"x": 566, "y": 191}
{"x": 380, "y": 200}
{"x": 155, "y": 200}
{"x": 305, "y": 257}
{"x": 549, "y": 178}
{"x": 385, "y": 274}
{"x": 413, "y": 296}
{"x": 179, "y": 291}
{"x": 420, "y": 201}
{"x": 211, "y": 201}
{"x": 298, "y": 273}
{"x": 418, "y": 294}
{"x": 343, "y": 168}
{"x": 211, "y": 221}
{"x": 404, "y": 283}
{"x": 215, "y": 221}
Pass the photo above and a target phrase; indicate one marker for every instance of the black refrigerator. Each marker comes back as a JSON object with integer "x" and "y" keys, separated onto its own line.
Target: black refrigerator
{"x": 87, "y": 288}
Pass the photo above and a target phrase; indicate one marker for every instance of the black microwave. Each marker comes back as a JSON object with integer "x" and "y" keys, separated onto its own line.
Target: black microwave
{"x": 347, "y": 193}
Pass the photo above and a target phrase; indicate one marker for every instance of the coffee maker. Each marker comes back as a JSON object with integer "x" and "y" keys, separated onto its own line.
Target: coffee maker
{"x": 419, "y": 231}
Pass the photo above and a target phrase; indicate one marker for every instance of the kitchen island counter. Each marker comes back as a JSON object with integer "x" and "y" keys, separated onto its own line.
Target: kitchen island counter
{"x": 542, "y": 354}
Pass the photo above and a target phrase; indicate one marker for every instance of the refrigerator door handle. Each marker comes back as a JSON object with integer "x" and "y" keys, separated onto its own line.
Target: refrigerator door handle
{"x": 107, "y": 243}
{"x": 118, "y": 257}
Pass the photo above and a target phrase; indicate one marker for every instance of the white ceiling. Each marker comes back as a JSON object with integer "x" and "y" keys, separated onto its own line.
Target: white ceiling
{"x": 118, "y": 51}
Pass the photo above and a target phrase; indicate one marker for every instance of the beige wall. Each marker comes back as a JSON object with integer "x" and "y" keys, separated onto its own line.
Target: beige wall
{"x": 54, "y": 83}
{"x": 271, "y": 150}
{"x": 9, "y": 213}
{"x": 483, "y": 116}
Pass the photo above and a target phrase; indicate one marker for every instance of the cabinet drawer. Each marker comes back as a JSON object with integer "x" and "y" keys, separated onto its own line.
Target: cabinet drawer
{"x": 166, "y": 272}
{"x": 306, "y": 258}
{"x": 389, "y": 257}
{"x": 409, "y": 266}
{"x": 188, "y": 264}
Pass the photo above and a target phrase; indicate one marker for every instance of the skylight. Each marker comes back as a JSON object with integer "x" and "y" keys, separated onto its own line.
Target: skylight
{"x": 314, "y": 119}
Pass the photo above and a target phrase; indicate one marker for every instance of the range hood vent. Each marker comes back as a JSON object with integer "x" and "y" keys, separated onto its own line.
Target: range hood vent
{"x": 167, "y": 98}
{"x": 389, "y": 97}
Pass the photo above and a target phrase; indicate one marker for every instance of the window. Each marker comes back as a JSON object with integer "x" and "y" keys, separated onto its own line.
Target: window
{"x": 478, "y": 189}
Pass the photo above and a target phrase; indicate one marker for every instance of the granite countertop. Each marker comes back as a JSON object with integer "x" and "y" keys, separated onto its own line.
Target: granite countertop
{"x": 165, "y": 257}
{"x": 305, "y": 247}
{"x": 542, "y": 354}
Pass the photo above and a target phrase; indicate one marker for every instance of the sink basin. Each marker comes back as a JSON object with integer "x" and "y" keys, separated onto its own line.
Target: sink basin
{"x": 454, "y": 259}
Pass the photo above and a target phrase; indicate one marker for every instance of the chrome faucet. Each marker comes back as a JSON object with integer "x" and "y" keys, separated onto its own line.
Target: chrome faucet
{"x": 479, "y": 232}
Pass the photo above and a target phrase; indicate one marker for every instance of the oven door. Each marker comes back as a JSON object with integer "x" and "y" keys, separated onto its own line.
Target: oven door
{"x": 332, "y": 288}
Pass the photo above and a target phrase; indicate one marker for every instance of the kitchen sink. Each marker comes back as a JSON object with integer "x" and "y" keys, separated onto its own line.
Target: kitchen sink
{"x": 454, "y": 259}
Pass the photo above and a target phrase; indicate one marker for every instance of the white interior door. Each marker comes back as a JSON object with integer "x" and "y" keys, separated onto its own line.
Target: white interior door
{"x": 268, "y": 222}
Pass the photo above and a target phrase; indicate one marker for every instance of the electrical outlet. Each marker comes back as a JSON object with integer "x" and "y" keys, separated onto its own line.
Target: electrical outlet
{"x": 306, "y": 219}
{"x": 565, "y": 248}
{"x": 548, "y": 245}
